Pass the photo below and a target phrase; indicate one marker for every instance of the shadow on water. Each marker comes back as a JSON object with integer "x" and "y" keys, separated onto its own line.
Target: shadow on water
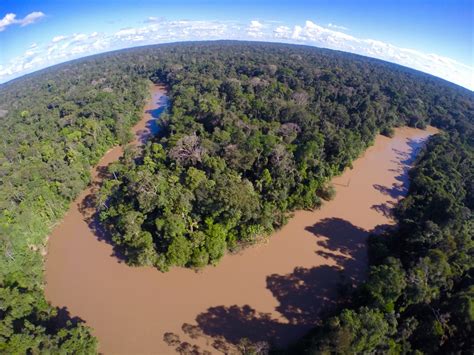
{"x": 303, "y": 295}
{"x": 63, "y": 319}
{"x": 400, "y": 188}
{"x": 385, "y": 209}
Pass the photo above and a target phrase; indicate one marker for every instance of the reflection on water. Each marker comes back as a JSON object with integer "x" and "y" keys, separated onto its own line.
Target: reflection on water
{"x": 161, "y": 102}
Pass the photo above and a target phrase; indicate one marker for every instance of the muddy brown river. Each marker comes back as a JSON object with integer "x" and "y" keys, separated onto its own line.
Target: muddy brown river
{"x": 272, "y": 292}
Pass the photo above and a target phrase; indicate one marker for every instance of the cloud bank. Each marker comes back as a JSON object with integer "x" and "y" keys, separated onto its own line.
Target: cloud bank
{"x": 337, "y": 27}
{"x": 10, "y": 19}
{"x": 64, "y": 47}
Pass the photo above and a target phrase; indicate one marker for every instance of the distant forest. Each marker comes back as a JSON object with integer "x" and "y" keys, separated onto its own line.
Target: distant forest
{"x": 253, "y": 132}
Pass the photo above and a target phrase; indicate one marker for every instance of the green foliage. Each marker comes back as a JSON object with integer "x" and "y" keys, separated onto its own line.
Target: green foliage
{"x": 360, "y": 331}
{"x": 254, "y": 131}
{"x": 179, "y": 251}
{"x": 387, "y": 282}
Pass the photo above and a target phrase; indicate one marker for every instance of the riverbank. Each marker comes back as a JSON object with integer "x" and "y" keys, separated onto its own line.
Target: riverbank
{"x": 270, "y": 292}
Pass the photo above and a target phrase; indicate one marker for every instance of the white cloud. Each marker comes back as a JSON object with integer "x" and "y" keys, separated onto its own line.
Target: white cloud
{"x": 7, "y": 20}
{"x": 10, "y": 19}
{"x": 126, "y": 32}
{"x": 79, "y": 37}
{"x": 337, "y": 27}
{"x": 66, "y": 47}
{"x": 58, "y": 38}
{"x": 154, "y": 19}
{"x": 256, "y": 25}
{"x": 255, "y": 29}
{"x": 31, "y": 18}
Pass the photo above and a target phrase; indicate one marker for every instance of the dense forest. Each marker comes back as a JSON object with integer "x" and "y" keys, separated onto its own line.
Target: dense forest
{"x": 253, "y": 132}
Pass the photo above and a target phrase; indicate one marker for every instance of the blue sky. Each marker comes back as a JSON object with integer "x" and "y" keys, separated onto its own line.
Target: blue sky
{"x": 433, "y": 36}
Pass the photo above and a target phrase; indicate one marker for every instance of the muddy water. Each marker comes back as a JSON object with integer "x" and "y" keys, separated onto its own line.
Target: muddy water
{"x": 273, "y": 291}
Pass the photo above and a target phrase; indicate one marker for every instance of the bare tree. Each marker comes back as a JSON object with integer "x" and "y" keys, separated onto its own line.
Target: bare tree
{"x": 300, "y": 98}
{"x": 187, "y": 150}
{"x": 289, "y": 129}
{"x": 281, "y": 159}
{"x": 271, "y": 68}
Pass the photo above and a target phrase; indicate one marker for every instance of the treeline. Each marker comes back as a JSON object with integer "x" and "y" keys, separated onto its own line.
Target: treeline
{"x": 255, "y": 131}
{"x": 419, "y": 296}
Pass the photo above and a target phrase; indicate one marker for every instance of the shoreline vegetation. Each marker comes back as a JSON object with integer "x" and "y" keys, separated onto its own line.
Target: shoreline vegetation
{"x": 427, "y": 306}
{"x": 58, "y": 128}
{"x": 254, "y": 131}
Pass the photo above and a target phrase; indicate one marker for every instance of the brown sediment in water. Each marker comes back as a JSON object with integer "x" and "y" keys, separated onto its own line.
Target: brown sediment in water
{"x": 272, "y": 291}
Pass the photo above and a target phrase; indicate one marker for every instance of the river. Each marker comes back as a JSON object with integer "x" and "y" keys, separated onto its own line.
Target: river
{"x": 273, "y": 291}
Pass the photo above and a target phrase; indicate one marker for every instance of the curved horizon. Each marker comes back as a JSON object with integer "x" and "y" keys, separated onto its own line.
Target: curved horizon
{"x": 90, "y": 55}
{"x": 434, "y": 39}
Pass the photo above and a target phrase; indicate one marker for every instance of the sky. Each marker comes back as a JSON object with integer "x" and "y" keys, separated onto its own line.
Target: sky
{"x": 434, "y": 36}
